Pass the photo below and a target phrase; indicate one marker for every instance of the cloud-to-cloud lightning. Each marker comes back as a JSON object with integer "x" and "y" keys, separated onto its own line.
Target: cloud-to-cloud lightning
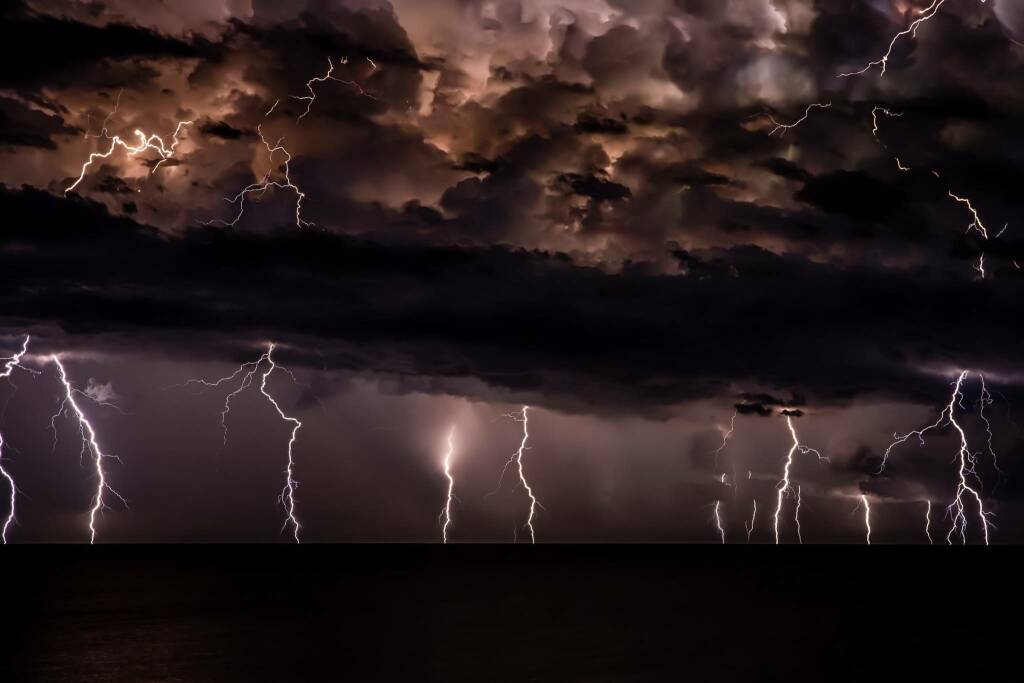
{"x": 328, "y": 76}
{"x": 446, "y": 512}
{"x": 781, "y": 128}
{"x": 151, "y": 142}
{"x": 517, "y": 460}
{"x": 10, "y": 363}
{"x": 785, "y": 486}
{"x": 966, "y": 468}
{"x": 90, "y": 445}
{"x": 260, "y": 188}
{"x": 247, "y": 372}
{"x": 911, "y": 30}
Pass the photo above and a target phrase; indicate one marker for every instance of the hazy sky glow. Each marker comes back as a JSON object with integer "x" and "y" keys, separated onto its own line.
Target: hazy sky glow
{"x": 584, "y": 206}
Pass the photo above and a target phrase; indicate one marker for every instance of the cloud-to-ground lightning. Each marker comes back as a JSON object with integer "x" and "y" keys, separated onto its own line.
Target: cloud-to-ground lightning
{"x": 10, "y": 363}
{"x": 928, "y": 522}
{"x": 446, "y": 512}
{"x": 781, "y": 128}
{"x": 796, "y": 515}
{"x": 718, "y": 521}
{"x": 966, "y": 469}
{"x": 247, "y": 373}
{"x": 867, "y": 517}
{"x": 265, "y": 183}
{"x": 90, "y": 445}
{"x": 753, "y": 518}
{"x": 151, "y": 142}
{"x": 517, "y": 460}
{"x": 785, "y": 486}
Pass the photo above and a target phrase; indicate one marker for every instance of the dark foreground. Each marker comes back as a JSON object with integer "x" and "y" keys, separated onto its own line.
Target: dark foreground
{"x": 502, "y": 613}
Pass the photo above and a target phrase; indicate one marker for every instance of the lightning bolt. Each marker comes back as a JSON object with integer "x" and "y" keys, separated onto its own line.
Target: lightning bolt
{"x": 446, "y": 511}
{"x": 247, "y": 372}
{"x": 928, "y": 522}
{"x": 90, "y": 445}
{"x": 783, "y": 127}
{"x": 725, "y": 436}
{"x": 10, "y": 364}
{"x": 911, "y": 30}
{"x": 785, "y": 487}
{"x": 753, "y": 518}
{"x": 718, "y": 521}
{"x": 517, "y": 460}
{"x": 328, "y": 76}
{"x": 867, "y": 517}
{"x": 152, "y": 142}
{"x": 265, "y": 183}
{"x": 796, "y": 516}
{"x": 966, "y": 467}
{"x": 874, "y": 123}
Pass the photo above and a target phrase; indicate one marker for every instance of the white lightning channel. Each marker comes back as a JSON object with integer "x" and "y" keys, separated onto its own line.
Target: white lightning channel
{"x": 260, "y": 188}
{"x": 718, "y": 520}
{"x": 783, "y": 127}
{"x": 446, "y": 512}
{"x": 753, "y": 519}
{"x": 867, "y": 518}
{"x": 928, "y": 522}
{"x": 90, "y": 445}
{"x": 517, "y": 460}
{"x": 10, "y": 363}
{"x": 911, "y": 30}
{"x": 785, "y": 487}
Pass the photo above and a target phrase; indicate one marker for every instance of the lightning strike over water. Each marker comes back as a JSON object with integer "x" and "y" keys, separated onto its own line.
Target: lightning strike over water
{"x": 928, "y": 522}
{"x": 517, "y": 460}
{"x": 785, "y": 486}
{"x": 753, "y": 518}
{"x": 718, "y": 521}
{"x": 90, "y": 445}
{"x": 783, "y": 127}
{"x": 10, "y": 364}
{"x": 247, "y": 373}
{"x": 446, "y": 512}
{"x": 966, "y": 469}
{"x": 867, "y": 518}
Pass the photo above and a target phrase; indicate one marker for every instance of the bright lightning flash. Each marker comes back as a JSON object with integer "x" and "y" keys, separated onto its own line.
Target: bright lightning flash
{"x": 150, "y": 142}
{"x": 966, "y": 470}
{"x": 247, "y": 373}
{"x": 867, "y": 518}
{"x": 328, "y": 76}
{"x": 517, "y": 460}
{"x": 718, "y": 520}
{"x": 911, "y": 30}
{"x": 785, "y": 486}
{"x": 10, "y": 364}
{"x": 446, "y": 512}
{"x": 90, "y": 445}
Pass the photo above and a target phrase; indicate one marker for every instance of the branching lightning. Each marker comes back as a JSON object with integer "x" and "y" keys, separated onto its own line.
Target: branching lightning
{"x": 446, "y": 512}
{"x": 966, "y": 469}
{"x": 911, "y": 30}
{"x": 90, "y": 445}
{"x": 783, "y": 127}
{"x": 10, "y": 363}
{"x": 260, "y": 188}
{"x": 247, "y": 373}
{"x": 785, "y": 487}
{"x": 874, "y": 123}
{"x": 517, "y": 460}
{"x": 328, "y": 76}
{"x": 151, "y": 142}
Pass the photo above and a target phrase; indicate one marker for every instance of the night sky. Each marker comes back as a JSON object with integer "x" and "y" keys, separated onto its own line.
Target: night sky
{"x": 594, "y": 208}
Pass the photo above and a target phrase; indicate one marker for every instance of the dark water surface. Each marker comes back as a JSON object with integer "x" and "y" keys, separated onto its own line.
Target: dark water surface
{"x": 502, "y": 613}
